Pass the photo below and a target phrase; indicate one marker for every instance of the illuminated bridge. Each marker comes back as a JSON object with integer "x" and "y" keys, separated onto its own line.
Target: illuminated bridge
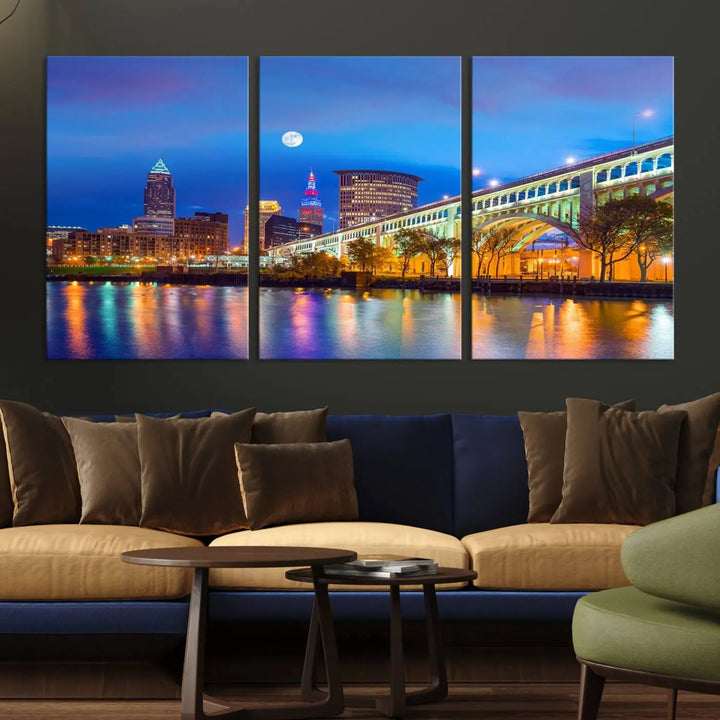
{"x": 532, "y": 205}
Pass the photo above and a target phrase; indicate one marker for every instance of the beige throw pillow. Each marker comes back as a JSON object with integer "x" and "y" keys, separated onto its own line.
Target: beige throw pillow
{"x": 697, "y": 439}
{"x": 296, "y": 426}
{"x": 620, "y": 466}
{"x": 544, "y": 435}
{"x": 297, "y": 483}
{"x": 108, "y": 466}
{"x": 41, "y": 466}
{"x": 6, "y": 500}
{"x": 189, "y": 478}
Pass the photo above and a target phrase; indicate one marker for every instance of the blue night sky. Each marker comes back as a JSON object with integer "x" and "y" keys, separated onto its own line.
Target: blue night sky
{"x": 531, "y": 113}
{"x": 379, "y": 113}
{"x": 111, "y": 118}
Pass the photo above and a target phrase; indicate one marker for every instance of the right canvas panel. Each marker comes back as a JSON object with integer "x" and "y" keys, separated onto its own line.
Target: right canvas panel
{"x": 572, "y": 208}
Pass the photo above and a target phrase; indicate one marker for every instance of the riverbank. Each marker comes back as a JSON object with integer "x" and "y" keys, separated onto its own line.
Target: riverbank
{"x": 509, "y": 286}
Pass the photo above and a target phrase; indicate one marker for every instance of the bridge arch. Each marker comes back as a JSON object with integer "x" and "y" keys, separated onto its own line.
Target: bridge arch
{"x": 531, "y": 225}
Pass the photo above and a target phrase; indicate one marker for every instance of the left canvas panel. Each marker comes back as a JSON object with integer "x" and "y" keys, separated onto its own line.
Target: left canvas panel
{"x": 146, "y": 193}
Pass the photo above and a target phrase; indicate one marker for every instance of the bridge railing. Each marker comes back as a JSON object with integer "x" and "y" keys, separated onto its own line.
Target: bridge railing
{"x": 582, "y": 165}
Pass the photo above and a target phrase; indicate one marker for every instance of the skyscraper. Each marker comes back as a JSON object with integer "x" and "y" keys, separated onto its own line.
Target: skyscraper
{"x": 267, "y": 209}
{"x": 367, "y": 195}
{"x": 311, "y": 210}
{"x": 159, "y": 205}
{"x": 159, "y": 192}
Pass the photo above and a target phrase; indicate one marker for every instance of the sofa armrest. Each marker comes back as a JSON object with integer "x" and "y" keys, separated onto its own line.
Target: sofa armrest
{"x": 677, "y": 558}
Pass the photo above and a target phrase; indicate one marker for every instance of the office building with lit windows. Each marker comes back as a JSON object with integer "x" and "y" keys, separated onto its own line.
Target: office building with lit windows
{"x": 203, "y": 234}
{"x": 195, "y": 237}
{"x": 267, "y": 209}
{"x": 368, "y": 195}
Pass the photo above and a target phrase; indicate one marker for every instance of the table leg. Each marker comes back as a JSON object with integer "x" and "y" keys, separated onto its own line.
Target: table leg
{"x": 194, "y": 667}
{"x": 334, "y": 703}
{"x": 438, "y": 688}
{"x": 397, "y": 656}
{"x": 308, "y": 687}
{"x": 397, "y": 702}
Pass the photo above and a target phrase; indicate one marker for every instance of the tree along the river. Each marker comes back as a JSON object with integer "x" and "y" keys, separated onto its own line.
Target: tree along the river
{"x": 452, "y": 249}
{"x": 360, "y": 252}
{"x": 650, "y": 229}
{"x": 406, "y": 245}
{"x": 433, "y": 246}
{"x": 618, "y": 228}
{"x": 494, "y": 243}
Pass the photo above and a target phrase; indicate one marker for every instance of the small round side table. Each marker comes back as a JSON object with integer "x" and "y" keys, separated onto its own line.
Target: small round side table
{"x": 194, "y": 706}
{"x": 396, "y": 703}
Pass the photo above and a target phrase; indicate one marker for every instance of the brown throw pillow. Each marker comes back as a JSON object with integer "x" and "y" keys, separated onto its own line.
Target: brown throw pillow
{"x": 619, "y": 465}
{"x": 297, "y": 483}
{"x": 6, "y": 500}
{"x": 544, "y": 435}
{"x": 697, "y": 439}
{"x": 189, "y": 478}
{"x": 108, "y": 466}
{"x": 41, "y": 466}
{"x": 297, "y": 426}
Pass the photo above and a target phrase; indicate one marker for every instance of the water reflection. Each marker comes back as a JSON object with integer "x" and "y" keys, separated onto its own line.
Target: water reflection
{"x": 571, "y": 328}
{"x": 119, "y": 321}
{"x": 358, "y": 324}
{"x": 138, "y": 320}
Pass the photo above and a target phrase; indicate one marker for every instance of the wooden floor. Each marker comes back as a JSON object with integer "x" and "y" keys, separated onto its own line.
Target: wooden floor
{"x": 529, "y": 701}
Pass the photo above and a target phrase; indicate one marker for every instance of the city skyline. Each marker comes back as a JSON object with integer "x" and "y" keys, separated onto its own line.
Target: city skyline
{"x": 109, "y": 119}
{"x": 125, "y": 112}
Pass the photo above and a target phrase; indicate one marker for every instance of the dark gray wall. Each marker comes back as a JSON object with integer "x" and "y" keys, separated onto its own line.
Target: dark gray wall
{"x": 327, "y": 27}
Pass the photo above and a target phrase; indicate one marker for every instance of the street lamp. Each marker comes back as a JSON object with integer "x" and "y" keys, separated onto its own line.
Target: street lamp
{"x": 666, "y": 261}
{"x": 494, "y": 182}
{"x": 641, "y": 113}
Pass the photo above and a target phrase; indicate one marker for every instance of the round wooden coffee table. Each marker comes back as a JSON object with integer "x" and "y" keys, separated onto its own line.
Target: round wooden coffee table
{"x": 395, "y": 704}
{"x": 194, "y": 706}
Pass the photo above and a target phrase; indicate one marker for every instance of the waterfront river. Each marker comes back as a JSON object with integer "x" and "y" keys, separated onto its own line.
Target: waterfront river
{"x": 117, "y": 320}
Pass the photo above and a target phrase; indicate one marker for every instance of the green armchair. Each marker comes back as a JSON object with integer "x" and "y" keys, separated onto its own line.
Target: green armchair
{"x": 664, "y": 629}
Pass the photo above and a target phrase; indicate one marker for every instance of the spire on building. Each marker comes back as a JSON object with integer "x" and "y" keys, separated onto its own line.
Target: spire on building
{"x": 160, "y": 168}
{"x": 311, "y": 211}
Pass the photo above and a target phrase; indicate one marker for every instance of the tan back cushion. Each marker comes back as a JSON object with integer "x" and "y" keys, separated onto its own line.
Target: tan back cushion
{"x": 41, "y": 466}
{"x": 297, "y": 483}
{"x": 108, "y": 465}
{"x": 189, "y": 479}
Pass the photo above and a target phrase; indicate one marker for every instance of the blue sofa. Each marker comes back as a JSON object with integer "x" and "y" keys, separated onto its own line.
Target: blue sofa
{"x": 451, "y": 473}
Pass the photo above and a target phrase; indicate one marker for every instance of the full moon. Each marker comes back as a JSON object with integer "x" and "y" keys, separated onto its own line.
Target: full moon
{"x": 292, "y": 139}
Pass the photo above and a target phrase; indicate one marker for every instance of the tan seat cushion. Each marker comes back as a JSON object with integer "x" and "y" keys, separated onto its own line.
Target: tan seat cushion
{"x": 82, "y": 562}
{"x": 541, "y": 556}
{"x": 365, "y": 538}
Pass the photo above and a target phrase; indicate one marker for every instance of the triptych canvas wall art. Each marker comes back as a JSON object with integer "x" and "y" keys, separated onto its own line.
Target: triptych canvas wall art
{"x": 568, "y": 249}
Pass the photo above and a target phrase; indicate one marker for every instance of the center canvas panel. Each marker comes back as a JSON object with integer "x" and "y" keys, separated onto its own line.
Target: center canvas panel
{"x": 359, "y": 223}
{"x": 146, "y": 185}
